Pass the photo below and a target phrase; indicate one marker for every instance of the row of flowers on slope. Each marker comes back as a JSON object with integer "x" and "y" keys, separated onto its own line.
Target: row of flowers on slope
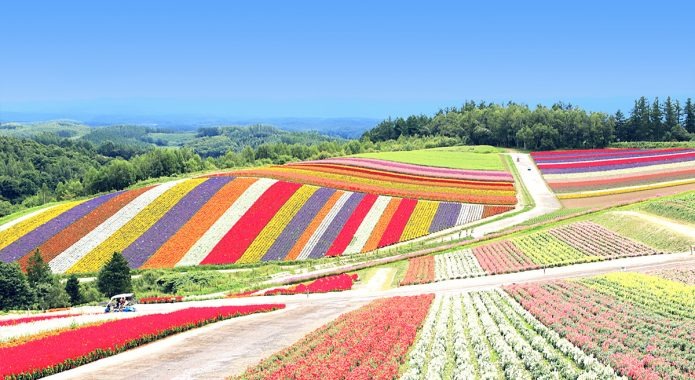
{"x": 641, "y": 339}
{"x": 368, "y": 343}
{"x": 226, "y": 220}
{"x": 570, "y": 244}
{"x": 334, "y": 283}
{"x": 69, "y": 349}
{"x": 612, "y": 171}
{"x": 488, "y": 335}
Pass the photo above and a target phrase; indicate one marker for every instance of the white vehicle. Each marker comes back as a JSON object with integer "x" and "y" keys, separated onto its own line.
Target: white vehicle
{"x": 121, "y": 303}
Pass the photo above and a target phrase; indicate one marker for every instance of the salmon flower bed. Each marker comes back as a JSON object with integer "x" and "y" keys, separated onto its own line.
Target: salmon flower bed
{"x": 163, "y": 299}
{"x": 598, "y": 172}
{"x": 420, "y": 271}
{"x": 336, "y": 283}
{"x": 369, "y": 343}
{"x": 72, "y": 348}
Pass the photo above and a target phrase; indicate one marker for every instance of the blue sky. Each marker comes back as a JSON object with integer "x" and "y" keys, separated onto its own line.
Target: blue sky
{"x": 337, "y": 58}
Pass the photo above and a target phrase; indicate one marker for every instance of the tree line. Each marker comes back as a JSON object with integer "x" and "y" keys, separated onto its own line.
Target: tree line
{"x": 48, "y": 168}
{"x": 560, "y": 126}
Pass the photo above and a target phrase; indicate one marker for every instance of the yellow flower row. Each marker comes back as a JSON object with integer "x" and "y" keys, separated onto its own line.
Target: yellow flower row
{"x": 420, "y": 220}
{"x": 15, "y": 232}
{"x": 622, "y": 190}
{"x": 262, "y": 243}
{"x": 667, "y": 292}
{"x": 132, "y": 230}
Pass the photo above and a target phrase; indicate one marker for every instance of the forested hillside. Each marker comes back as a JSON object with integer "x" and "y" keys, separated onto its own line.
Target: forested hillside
{"x": 558, "y": 127}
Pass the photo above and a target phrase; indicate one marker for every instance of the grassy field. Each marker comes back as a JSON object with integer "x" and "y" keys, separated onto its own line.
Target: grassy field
{"x": 651, "y": 234}
{"x": 474, "y": 157}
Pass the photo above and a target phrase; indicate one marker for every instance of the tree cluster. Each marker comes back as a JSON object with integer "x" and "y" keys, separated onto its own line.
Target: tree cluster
{"x": 560, "y": 126}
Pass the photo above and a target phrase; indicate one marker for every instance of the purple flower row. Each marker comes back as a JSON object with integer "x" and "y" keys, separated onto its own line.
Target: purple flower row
{"x": 149, "y": 242}
{"x": 445, "y": 217}
{"x": 644, "y": 153}
{"x": 35, "y": 238}
{"x": 326, "y": 240}
{"x": 590, "y": 169}
{"x": 294, "y": 229}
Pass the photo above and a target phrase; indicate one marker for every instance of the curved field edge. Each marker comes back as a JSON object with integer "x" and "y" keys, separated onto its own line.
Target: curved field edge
{"x": 483, "y": 159}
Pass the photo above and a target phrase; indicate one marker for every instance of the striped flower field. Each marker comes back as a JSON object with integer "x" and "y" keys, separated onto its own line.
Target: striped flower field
{"x": 225, "y": 219}
{"x": 597, "y": 172}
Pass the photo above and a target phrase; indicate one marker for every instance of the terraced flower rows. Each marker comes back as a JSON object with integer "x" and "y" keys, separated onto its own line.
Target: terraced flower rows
{"x": 643, "y": 326}
{"x": 488, "y": 335}
{"x": 226, "y": 219}
{"x": 596, "y": 172}
{"x": 574, "y": 243}
{"x": 398, "y": 180}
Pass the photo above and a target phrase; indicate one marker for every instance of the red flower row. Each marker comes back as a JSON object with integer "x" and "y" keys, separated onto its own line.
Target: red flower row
{"x": 368, "y": 343}
{"x": 72, "y": 348}
{"x": 336, "y": 283}
{"x": 164, "y": 299}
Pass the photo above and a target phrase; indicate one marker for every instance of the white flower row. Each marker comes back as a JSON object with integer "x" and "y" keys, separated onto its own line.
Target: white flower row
{"x": 418, "y": 354}
{"x": 316, "y": 236}
{"x": 469, "y": 213}
{"x": 367, "y": 226}
{"x": 94, "y": 238}
{"x": 219, "y": 229}
{"x": 491, "y": 324}
{"x": 454, "y": 265}
{"x": 593, "y": 369}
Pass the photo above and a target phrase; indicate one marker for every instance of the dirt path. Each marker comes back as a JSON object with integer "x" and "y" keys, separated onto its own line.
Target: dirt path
{"x": 218, "y": 350}
{"x": 680, "y": 228}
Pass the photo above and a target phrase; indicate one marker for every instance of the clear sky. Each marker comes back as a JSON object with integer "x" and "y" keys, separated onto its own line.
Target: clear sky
{"x": 338, "y": 58}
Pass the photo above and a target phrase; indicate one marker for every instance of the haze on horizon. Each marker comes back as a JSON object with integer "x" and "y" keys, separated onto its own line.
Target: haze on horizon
{"x": 270, "y": 59}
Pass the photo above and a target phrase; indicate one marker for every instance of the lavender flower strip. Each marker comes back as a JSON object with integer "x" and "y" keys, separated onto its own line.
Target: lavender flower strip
{"x": 336, "y": 226}
{"x": 150, "y": 241}
{"x": 445, "y": 217}
{"x": 42, "y": 233}
{"x": 288, "y": 237}
{"x": 612, "y": 157}
{"x": 589, "y": 169}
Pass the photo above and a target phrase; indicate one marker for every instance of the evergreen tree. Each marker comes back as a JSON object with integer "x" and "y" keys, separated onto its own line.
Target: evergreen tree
{"x": 656, "y": 122}
{"x": 689, "y": 112}
{"x": 47, "y": 289}
{"x": 38, "y": 271}
{"x": 72, "y": 287}
{"x": 114, "y": 277}
{"x": 670, "y": 115}
{"x": 622, "y": 130}
{"x": 15, "y": 292}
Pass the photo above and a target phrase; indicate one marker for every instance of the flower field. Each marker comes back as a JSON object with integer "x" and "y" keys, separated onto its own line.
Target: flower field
{"x": 397, "y": 179}
{"x": 643, "y": 326}
{"x": 597, "y": 172}
{"x": 225, "y": 219}
{"x": 488, "y": 335}
{"x": 335, "y": 283}
{"x": 368, "y": 343}
{"x": 420, "y": 271}
{"x": 71, "y": 348}
{"x": 574, "y": 243}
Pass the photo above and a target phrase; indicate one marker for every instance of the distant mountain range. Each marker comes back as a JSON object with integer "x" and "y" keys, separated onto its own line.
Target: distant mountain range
{"x": 346, "y": 127}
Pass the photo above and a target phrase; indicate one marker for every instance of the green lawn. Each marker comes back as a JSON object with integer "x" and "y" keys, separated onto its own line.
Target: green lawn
{"x": 474, "y": 158}
{"x": 650, "y": 234}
